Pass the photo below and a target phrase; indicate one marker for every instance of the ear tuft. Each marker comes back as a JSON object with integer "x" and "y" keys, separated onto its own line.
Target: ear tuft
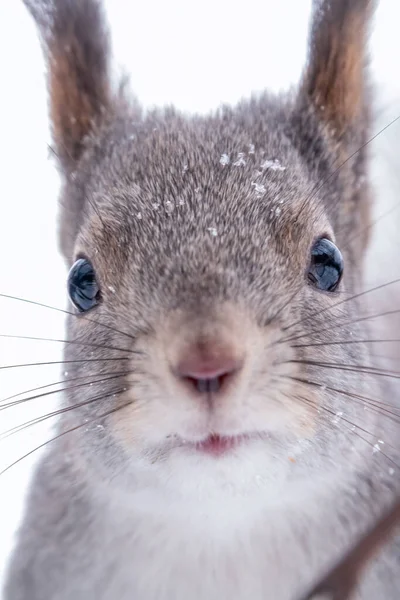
{"x": 76, "y": 45}
{"x": 334, "y": 80}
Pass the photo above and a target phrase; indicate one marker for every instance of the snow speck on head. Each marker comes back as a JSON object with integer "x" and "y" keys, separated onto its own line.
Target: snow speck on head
{"x": 272, "y": 164}
{"x": 259, "y": 189}
{"x": 252, "y": 149}
{"x": 240, "y": 161}
{"x": 224, "y": 160}
{"x": 213, "y": 231}
{"x": 169, "y": 207}
{"x": 111, "y": 288}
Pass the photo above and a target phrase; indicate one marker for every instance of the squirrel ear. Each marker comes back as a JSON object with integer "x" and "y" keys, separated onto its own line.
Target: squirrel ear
{"x": 76, "y": 46}
{"x": 334, "y": 79}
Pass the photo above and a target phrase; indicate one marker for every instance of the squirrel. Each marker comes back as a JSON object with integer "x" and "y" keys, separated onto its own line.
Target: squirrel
{"x": 213, "y": 441}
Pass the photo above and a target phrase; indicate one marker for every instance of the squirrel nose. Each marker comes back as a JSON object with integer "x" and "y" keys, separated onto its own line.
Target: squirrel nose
{"x": 207, "y": 373}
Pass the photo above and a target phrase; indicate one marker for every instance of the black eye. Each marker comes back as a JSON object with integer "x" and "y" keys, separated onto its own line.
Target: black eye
{"x": 326, "y": 266}
{"x": 82, "y": 285}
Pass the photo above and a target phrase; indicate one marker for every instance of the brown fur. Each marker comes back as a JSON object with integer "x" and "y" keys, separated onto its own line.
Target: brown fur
{"x": 80, "y": 94}
{"x": 78, "y": 78}
{"x": 337, "y": 54}
{"x": 342, "y": 580}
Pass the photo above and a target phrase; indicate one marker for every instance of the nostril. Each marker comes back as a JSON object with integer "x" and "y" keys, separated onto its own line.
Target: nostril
{"x": 207, "y": 376}
{"x": 206, "y": 385}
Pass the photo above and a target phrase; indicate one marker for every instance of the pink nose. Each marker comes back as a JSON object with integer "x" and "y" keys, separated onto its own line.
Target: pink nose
{"x": 207, "y": 374}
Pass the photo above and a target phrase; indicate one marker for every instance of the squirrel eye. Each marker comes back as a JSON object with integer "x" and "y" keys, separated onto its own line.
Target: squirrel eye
{"x": 82, "y": 285}
{"x": 326, "y": 266}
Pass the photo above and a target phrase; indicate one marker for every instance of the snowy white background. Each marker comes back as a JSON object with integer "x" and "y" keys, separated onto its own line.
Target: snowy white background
{"x": 195, "y": 55}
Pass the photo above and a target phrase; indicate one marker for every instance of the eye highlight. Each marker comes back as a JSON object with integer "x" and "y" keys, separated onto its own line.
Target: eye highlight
{"x": 326, "y": 267}
{"x": 82, "y": 285}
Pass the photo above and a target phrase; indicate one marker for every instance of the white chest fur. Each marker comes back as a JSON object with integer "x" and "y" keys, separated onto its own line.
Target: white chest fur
{"x": 238, "y": 543}
{"x": 203, "y": 552}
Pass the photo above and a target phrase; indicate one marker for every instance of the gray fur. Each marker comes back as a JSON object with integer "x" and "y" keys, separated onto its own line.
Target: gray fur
{"x": 174, "y": 232}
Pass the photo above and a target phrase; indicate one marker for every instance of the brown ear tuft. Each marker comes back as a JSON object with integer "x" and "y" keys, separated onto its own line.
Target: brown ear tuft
{"x": 76, "y": 44}
{"x": 334, "y": 80}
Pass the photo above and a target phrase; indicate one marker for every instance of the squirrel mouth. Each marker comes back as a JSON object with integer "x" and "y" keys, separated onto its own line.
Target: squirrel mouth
{"x": 218, "y": 445}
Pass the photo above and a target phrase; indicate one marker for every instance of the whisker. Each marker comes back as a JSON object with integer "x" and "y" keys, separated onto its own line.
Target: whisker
{"x": 281, "y": 309}
{"x": 55, "y": 413}
{"x": 318, "y": 187}
{"x": 68, "y": 312}
{"x": 350, "y": 425}
{"x": 96, "y": 210}
{"x": 374, "y": 222}
{"x": 63, "y": 362}
{"x": 352, "y": 155}
{"x": 368, "y": 370}
{"x": 4, "y": 406}
{"x": 341, "y": 324}
{"x": 353, "y": 297}
{"x": 89, "y": 345}
{"x": 61, "y": 382}
{"x": 342, "y": 418}
{"x": 63, "y": 433}
{"x": 343, "y": 342}
{"x": 373, "y": 404}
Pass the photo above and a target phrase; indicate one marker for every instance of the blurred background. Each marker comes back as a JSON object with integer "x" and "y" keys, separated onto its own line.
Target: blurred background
{"x": 194, "y": 55}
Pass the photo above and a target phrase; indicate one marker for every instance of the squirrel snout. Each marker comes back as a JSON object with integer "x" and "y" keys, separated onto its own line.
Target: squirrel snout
{"x": 207, "y": 368}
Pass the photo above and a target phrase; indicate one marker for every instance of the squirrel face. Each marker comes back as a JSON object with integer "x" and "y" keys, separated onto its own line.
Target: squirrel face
{"x": 207, "y": 253}
{"x": 215, "y": 262}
